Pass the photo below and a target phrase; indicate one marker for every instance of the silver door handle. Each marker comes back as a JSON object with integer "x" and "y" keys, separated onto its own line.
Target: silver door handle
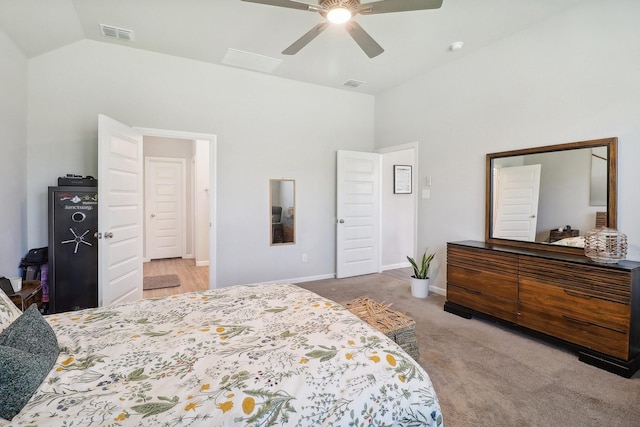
{"x": 97, "y": 235}
{"x": 532, "y": 216}
{"x": 153, "y": 215}
{"x": 108, "y": 235}
{"x": 341, "y": 221}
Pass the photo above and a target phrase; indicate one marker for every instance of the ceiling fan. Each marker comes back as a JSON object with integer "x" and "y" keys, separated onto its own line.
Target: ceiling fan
{"x": 341, "y": 12}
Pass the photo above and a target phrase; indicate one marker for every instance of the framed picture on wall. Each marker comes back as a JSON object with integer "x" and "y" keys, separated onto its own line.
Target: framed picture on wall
{"x": 401, "y": 179}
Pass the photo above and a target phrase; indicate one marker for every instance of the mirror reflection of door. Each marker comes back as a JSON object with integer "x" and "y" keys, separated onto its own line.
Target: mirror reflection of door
{"x": 516, "y": 212}
{"x": 282, "y": 196}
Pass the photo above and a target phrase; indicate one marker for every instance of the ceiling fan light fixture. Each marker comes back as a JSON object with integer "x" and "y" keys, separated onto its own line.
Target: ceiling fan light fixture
{"x": 339, "y": 15}
{"x": 341, "y": 12}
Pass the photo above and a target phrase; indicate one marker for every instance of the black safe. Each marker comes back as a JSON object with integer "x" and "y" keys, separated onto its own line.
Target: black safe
{"x": 73, "y": 248}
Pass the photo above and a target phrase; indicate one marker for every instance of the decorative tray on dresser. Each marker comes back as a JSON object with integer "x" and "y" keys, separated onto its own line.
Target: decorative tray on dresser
{"x": 568, "y": 299}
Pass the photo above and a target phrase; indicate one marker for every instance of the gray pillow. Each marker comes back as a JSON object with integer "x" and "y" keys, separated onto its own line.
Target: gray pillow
{"x": 28, "y": 351}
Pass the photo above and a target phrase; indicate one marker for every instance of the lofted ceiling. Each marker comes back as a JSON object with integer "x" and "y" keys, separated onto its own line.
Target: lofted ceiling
{"x": 204, "y": 30}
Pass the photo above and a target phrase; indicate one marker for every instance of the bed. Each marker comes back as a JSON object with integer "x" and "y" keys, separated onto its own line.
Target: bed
{"x": 262, "y": 355}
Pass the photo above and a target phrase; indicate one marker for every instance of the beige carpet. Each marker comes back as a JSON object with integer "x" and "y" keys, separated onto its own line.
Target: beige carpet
{"x": 163, "y": 281}
{"x": 489, "y": 375}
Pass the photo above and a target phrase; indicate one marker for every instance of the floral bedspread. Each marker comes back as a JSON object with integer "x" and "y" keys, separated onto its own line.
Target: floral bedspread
{"x": 264, "y": 355}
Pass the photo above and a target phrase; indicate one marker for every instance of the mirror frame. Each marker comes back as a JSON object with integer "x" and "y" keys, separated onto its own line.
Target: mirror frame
{"x": 612, "y": 190}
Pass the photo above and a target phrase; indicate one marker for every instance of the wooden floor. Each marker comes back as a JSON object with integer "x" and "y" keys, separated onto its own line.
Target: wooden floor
{"x": 192, "y": 278}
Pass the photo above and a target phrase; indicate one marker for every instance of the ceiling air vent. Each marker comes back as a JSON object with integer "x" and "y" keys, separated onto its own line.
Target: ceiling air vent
{"x": 116, "y": 32}
{"x": 353, "y": 83}
{"x": 251, "y": 61}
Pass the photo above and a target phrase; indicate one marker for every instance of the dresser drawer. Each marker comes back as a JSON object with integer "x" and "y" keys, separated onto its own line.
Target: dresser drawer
{"x": 483, "y": 259}
{"x": 590, "y": 334}
{"x": 489, "y": 304}
{"x": 489, "y": 272}
{"x": 575, "y": 303}
{"x": 488, "y": 282}
{"x": 593, "y": 280}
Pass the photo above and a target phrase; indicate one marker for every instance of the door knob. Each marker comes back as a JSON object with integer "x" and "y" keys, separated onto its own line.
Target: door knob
{"x": 108, "y": 235}
{"x": 153, "y": 215}
{"x": 341, "y": 221}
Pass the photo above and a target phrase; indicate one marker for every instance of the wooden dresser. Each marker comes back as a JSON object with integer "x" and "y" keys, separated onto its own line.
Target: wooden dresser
{"x": 593, "y": 308}
{"x": 31, "y": 293}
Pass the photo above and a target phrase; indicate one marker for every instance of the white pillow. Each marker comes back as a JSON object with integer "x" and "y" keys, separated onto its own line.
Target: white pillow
{"x": 577, "y": 242}
{"x": 8, "y": 311}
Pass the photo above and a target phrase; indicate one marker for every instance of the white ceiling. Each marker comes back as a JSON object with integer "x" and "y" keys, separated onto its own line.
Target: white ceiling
{"x": 203, "y": 30}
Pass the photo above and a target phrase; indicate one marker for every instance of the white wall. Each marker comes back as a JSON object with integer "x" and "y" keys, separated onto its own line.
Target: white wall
{"x": 571, "y": 78}
{"x": 398, "y": 213}
{"x": 13, "y": 169}
{"x": 267, "y": 128}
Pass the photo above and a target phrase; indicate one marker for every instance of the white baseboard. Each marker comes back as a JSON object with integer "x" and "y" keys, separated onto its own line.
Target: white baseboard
{"x": 183, "y": 257}
{"x": 394, "y": 266}
{"x": 202, "y": 263}
{"x": 300, "y": 279}
{"x": 439, "y": 291}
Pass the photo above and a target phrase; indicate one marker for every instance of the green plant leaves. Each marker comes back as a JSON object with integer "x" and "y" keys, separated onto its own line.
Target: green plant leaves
{"x": 422, "y": 272}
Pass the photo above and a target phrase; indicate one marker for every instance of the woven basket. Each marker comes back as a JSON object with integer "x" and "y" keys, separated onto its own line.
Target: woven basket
{"x": 605, "y": 245}
{"x": 395, "y": 325}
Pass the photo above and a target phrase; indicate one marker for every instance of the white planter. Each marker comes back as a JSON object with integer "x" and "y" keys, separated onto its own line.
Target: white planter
{"x": 419, "y": 287}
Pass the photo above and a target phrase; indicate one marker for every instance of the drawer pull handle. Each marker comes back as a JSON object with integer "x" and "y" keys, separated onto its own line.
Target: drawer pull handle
{"x": 585, "y": 323}
{"x": 577, "y": 294}
{"x": 580, "y": 322}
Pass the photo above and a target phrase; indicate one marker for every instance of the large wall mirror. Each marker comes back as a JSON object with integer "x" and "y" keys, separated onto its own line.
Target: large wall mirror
{"x": 282, "y": 194}
{"x": 549, "y": 197}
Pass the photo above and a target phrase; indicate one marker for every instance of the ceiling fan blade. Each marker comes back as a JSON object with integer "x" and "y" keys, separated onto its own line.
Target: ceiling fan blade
{"x": 305, "y": 39}
{"x": 389, "y": 6}
{"x": 285, "y": 3}
{"x": 364, "y": 40}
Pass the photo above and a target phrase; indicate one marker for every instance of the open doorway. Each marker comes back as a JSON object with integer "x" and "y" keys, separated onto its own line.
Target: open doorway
{"x": 179, "y": 205}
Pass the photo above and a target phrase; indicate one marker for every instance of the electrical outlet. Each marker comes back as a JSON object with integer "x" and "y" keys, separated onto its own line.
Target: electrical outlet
{"x": 305, "y": 258}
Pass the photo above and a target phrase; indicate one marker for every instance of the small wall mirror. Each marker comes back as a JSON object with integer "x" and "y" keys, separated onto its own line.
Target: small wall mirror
{"x": 282, "y": 195}
{"x": 551, "y": 195}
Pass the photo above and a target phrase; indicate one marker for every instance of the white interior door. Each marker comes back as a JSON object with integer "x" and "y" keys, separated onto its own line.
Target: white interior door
{"x": 518, "y": 190}
{"x": 165, "y": 188}
{"x": 358, "y": 214}
{"x": 120, "y": 213}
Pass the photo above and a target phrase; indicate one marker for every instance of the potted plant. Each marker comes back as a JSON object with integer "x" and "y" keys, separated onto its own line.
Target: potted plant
{"x": 420, "y": 278}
